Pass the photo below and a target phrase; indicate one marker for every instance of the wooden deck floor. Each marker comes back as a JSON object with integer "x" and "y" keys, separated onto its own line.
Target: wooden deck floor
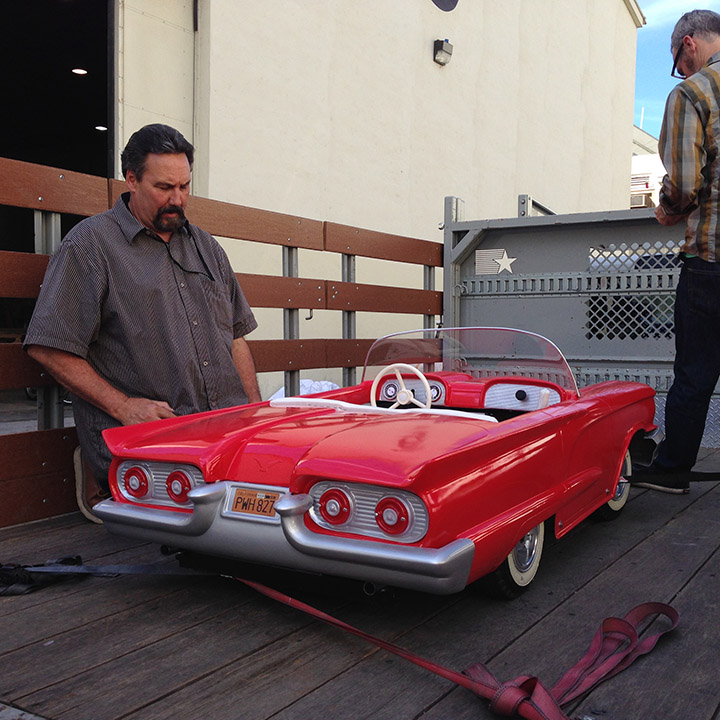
{"x": 157, "y": 647}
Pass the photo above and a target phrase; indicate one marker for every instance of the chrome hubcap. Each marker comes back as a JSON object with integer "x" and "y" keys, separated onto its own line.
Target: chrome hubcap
{"x": 525, "y": 550}
{"x": 621, "y": 489}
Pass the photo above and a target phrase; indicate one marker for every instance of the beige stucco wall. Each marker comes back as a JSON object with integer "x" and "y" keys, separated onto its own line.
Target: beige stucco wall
{"x": 155, "y": 66}
{"x": 335, "y": 110}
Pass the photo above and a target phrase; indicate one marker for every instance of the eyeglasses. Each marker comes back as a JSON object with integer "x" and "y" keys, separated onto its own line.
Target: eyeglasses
{"x": 674, "y": 74}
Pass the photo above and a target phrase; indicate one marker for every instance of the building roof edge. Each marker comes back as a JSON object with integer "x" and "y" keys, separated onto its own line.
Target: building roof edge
{"x": 635, "y": 12}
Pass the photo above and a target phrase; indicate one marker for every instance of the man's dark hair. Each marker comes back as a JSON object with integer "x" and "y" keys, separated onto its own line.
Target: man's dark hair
{"x": 704, "y": 23}
{"x": 155, "y": 138}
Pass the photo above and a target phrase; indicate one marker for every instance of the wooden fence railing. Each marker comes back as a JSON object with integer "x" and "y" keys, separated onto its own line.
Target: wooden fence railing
{"x": 36, "y": 474}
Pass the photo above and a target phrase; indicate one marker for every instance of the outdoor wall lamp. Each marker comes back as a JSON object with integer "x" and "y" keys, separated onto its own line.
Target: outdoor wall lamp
{"x": 442, "y": 52}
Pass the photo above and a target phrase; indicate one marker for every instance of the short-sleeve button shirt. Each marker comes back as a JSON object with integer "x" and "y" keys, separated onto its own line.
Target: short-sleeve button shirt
{"x": 155, "y": 319}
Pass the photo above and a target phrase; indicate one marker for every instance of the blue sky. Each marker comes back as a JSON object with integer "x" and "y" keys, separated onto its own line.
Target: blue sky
{"x": 652, "y": 75}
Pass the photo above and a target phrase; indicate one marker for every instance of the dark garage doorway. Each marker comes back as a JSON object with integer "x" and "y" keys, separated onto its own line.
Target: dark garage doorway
{"x": 51, "y": 115}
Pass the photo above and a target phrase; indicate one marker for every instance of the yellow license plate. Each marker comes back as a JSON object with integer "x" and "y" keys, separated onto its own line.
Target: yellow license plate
{"x": 254, "y": 502}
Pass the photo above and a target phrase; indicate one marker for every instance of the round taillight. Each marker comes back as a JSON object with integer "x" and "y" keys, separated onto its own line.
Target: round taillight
{"x": 178, "y": 486}
{"x": 335, "y": 506}
{"x": 392, "y": 516}
{"x": 136, "y": 481}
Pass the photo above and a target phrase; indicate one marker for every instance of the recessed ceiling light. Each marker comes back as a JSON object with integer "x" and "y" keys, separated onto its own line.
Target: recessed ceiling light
{"x": 80, "y": 71}
{"x": 101, "y": 127}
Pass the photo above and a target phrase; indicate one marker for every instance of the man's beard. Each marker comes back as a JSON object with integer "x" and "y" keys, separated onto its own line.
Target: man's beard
{"x": 164, "y": 222}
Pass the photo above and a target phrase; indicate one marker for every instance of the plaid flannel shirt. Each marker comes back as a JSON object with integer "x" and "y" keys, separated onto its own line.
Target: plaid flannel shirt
{"x": 690, "y": 150}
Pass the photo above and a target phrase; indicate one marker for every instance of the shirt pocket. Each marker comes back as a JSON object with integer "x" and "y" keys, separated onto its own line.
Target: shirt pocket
{"x": 218, "y": 304}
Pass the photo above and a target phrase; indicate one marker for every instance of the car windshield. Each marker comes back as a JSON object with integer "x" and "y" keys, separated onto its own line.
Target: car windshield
{"x": 476, "y": 351}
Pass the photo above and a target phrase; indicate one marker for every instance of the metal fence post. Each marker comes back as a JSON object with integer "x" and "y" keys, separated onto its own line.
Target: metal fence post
{"x": 454, "y": 212}
{"x": 428, "y": 284}
{"x": 50, "y": 406}
{"x": 291, "y": 320}
{"x": 349, "y": 328}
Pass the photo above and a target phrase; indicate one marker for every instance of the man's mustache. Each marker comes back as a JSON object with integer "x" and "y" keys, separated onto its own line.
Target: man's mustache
{"x": 173, "y": 210}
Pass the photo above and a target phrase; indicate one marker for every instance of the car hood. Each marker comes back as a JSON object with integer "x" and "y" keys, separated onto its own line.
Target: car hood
{"x": 270, "y": 445}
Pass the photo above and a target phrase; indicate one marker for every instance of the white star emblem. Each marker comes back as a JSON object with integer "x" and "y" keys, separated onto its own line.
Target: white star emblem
{"x": 504, "y": 262}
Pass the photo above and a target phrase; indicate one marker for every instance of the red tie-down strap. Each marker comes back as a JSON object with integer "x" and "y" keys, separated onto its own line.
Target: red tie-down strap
{"x": 615, "y": 646}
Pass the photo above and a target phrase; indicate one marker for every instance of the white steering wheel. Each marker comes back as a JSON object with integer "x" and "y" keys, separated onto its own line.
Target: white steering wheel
{"x": 404, "y": 396}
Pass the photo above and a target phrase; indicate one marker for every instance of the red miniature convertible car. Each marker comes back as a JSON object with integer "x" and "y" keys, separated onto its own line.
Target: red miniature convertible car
{"x": 450, "y": 460}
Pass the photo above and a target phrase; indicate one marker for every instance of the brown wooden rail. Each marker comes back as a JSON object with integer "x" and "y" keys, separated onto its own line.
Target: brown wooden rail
{"x": 36, "y": 475}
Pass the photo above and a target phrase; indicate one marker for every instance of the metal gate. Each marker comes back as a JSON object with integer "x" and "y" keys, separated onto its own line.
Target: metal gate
{"x": 599, "y": 285}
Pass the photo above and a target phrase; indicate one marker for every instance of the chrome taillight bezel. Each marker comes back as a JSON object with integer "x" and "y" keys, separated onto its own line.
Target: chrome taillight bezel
{"x": 159, "y": 484}
{"x": 136, "y": 481}
{"x": 177, "y": 485}
{"x": 392, "y": 515}
{"x": 363, "y": 519}
{"x": 335, "y": 506}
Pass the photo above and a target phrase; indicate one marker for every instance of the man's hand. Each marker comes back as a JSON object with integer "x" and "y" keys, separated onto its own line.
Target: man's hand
{"x": 664, "y": 219}
{"x": 138, "y": 410}
{"x": 76, "y": 374}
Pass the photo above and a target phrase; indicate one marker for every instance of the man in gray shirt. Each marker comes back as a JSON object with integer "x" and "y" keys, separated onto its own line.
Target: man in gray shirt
{"x": 140, "y": 315}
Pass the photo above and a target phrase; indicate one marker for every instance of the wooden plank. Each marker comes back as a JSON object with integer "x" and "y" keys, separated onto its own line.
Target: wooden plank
{"x": 21, "y": 274}
{"x": 282, "y": 292}
{"x": 43, "y": 496}
{"x": 415, "y": 350}
{"x": 266, "y": 681}
{"x": 303, "y": 661}
{"x": 70, "y": 601}
{"x": 33, "y": 454}
{"x": 18, "y": 370}
{"x": 26, "y": 539}
{"x": 347, "y": 353}
{"x": 24, "y": 184}
{"x": 655, "y": 682}
{"x": 37, "y": 478}
{"x": 174, "y": 602}
{"x": 61, "y": 535}
{"x": 245, "y": 223}
{"x": 115, "y": 189}
{"x": 39, "y": 497}
{"x": 273, "y": 355}
{"x": 680, "y": 565}
{"x": 376, "y": 298}
{"x": 384, "y": 246}
{"x": 182, "y": 636}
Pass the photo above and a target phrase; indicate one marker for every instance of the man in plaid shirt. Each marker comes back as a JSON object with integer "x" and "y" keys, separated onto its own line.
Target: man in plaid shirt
{"x": 690, "y": 151}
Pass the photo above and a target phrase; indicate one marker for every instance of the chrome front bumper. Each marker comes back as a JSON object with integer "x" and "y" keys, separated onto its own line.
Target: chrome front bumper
{"x": 290, "y": 543}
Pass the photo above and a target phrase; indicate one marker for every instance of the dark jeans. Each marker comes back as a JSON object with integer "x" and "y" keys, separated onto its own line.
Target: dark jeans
{"x": 697, "y": 362}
